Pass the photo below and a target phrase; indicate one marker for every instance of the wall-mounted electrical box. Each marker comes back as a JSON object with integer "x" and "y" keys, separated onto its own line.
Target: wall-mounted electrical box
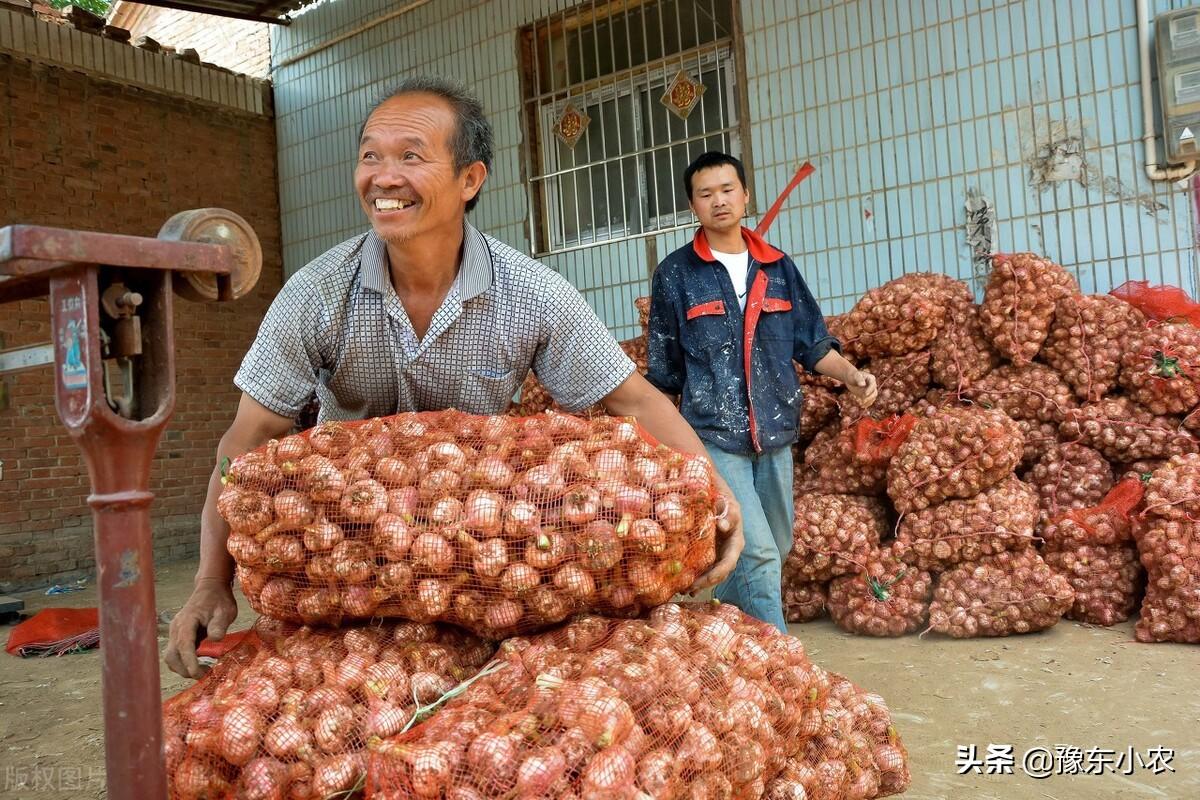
{"x": 1177, "y": 46}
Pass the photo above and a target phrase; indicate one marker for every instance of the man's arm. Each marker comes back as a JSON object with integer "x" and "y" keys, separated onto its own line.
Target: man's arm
{"x": 212, "y": 607}
{"x": 637, "y": 398}
{"x": 861, "y": 384}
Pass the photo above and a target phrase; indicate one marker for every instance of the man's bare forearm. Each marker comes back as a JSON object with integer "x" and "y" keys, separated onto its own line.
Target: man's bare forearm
{"x": 835, "y": 366}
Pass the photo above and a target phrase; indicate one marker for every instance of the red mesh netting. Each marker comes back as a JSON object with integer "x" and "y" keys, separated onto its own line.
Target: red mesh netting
{"x": 1069, "y": 476}
{"x": 499, "y": 524}
{"x": 289, "y": 713}
{"x": 535, "y": 398}
{"x": 1160, "y": 368}
{"x": 902, "y": 316}
{"x": 1107, "y": 580}
{"x": 693, "y": 702}
{"x": 820, "y": 407}
{"x": 1001, "y": 517}
{"x": 1008, "y": 593}
{"x": 1124, "y": 431}
{"x": 856, "y": 754}
{"x": 643, "y": 308}
{"x": 1137, "y": 469}
{"x": 1040, "y": 438}
{"x": 902, "y": 381}
{"x": 1030, "y": 392}
{"x": 803, "y": 600}
{"x": 1092, "y": 548}
{"x": 1018, "y": 303}
{"x": 1170, "y": 551}
{"x": 955, "y": 452}
{"x": 1158, "y": 302}
{"x": 876, "y": 441}
{"x": 961, "y": 354}
{"x": 831, "y": 465}
{"x": 1086, "y": 340}
{"x": 884, "y": 598}
{"x": 834, "y": 534}
{"x": 1173, "y": 490}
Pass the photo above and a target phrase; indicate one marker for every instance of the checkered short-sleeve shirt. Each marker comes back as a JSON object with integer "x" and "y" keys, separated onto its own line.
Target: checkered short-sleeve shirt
{"x": 338, "y": 329}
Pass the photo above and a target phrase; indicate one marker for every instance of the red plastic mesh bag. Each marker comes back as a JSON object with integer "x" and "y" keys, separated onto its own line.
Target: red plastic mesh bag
{"x": 643, "y": 308}
{"x": 1160, "y": 369}
{"x": 820, "y": 407}
{"x": 1138, "y": 469}
{"x": 1069, "y": 476}
{"x": 693, "y": 702}
{"x": 955, "y": 452}
{"x": 885, "y": 598}
{"x": 902, "y": 316}
{"x": 1173, "y": 490}
{"x": 1001, "y": 517}
{"x": 1008, "y": 593}
{"x": 535, "y": 398}
{"x": 901, "y": 380}
{"x": 1124, "y": 431}
{"x": 498, "y": 524}
{"x": 831, "y": 465}
{"x": 834, "y": 534}
{"x": 933, "y": 401}
{"x": 1158, "y": 302}
{"x": 1039, "y": 437}
{"x": 1170, "y": 551}
{"x": 1170, "y": 616}
{"x": 55, "y": 632}
{"x": 290, "y": 713}
{"x": 1019, "y": 301}
{"x": 856, "y": 754}
{"x": 876, "y": 441}
{"x": 803, "y": 600}
{"x": 1086, "y": 341}
{"x": 1030, "y": 392}
{"x": 1107, "y": 523}
{"x": 962, "y": 353}
{"x": 1107, "y": 580}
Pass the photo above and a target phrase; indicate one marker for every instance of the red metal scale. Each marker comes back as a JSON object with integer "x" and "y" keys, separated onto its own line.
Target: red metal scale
{"x": 114, "y": 365}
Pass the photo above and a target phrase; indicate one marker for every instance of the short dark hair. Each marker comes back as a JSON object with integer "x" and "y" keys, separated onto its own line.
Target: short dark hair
{"x": 712, "y": 158}
{"x": 472, "y": 140}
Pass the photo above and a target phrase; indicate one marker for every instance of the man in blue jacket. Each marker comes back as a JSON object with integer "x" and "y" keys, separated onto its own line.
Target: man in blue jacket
{"x": 729, "y": 313}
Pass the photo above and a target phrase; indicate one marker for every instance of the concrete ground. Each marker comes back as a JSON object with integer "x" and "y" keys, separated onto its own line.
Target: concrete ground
{"x": 1072, "y": 686}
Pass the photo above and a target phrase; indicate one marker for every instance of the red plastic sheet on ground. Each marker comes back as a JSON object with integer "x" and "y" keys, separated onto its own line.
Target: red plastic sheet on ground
{"x": 55, "y": 631}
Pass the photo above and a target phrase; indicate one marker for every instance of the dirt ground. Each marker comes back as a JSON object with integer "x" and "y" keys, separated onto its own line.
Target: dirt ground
{"x": 1071, "y": 686}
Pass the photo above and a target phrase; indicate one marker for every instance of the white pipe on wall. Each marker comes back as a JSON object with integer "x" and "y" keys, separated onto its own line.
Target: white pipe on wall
{"x": 1153, "y": 171}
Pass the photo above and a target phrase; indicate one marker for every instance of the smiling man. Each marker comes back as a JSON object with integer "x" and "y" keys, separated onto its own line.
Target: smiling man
{"x": 421, "y": 312}
{"x": 729, "y": 314}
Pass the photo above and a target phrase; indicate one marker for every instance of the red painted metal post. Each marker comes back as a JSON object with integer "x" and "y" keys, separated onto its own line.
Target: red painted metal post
{"x": 75, "y": 268}
{"x": 118, "y": 453}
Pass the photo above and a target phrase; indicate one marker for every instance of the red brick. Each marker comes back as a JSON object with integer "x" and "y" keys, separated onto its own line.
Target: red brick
{"x": 80, "y": 152}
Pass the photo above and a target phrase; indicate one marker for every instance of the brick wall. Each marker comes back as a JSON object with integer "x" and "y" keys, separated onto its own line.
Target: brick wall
{"x": 239, "y": 45}
{"x": 77, "y": 151}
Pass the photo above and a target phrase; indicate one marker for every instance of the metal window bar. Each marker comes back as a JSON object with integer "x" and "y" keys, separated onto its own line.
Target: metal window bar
{"x": 642, "y": 84}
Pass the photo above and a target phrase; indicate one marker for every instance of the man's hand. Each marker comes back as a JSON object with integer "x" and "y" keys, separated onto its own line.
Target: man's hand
{"x": 731, "y": 541}
{"x": 208, "y": 613}
{"x": 862, "y": 385}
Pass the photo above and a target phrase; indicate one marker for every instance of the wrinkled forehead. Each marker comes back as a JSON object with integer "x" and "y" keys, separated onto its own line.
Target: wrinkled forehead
{"x": 417, "y": 117}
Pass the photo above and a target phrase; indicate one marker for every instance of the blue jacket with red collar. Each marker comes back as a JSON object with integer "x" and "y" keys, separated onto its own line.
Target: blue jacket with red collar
{"x": 734, "y": 369}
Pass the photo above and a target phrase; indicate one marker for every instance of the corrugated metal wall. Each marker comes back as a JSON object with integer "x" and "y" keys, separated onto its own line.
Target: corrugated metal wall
{"x": 903, "y": 107}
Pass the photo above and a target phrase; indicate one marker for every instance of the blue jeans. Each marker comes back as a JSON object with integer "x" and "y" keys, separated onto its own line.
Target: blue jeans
{"x": 762, "y": 484}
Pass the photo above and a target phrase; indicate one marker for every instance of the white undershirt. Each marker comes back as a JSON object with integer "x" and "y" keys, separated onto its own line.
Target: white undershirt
{"x": 738, "y": 266}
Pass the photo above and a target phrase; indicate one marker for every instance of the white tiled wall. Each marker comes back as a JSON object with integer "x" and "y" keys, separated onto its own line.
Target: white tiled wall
{"x": 902, "y": 106}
